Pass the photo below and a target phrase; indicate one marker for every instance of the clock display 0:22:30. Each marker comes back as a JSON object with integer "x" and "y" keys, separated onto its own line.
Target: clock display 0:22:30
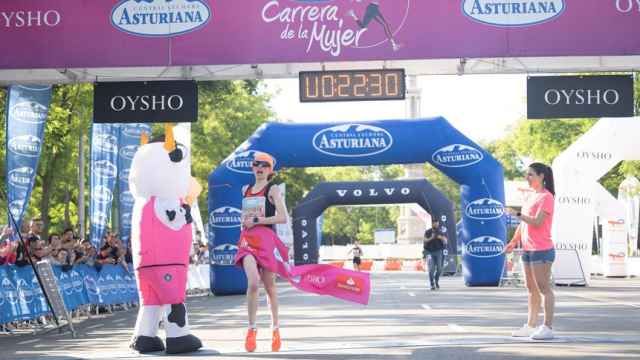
{"x": 352, "y": 85}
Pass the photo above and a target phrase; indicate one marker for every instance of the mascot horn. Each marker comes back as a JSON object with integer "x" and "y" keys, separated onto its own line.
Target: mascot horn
{"x": 161, "y": 182}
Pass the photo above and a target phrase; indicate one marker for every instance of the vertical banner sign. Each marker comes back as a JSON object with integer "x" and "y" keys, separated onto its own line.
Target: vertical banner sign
{"x": 104, "y": 157}
{"x": 27, "y": 109}
{"x": 128, "y": 143}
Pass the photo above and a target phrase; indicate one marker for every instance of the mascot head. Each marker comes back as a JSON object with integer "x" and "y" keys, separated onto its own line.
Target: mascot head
{"x": 161, "y": 168}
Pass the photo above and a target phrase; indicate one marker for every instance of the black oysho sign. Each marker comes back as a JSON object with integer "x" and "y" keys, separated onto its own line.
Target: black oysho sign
{"x": 579, "y": 96}
{"x": 145, "y": 102}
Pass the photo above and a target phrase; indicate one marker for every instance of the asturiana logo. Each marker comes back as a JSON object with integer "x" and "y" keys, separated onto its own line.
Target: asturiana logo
{"x": 65, "y": 284}
{"x": 128, "y": 151}
{"x": 90, "y": 285}
{"x": 352, "y": 140}
{"x": 25, "y": 145}
{"x": 126, "y": 220}
{"x": 225, "y": 217}
{"x": 124, "y": 175}
{"x": 29, "y": 112}
{"x": 16, "y": 207}
{"x": 224, "y": 255}
{"x": 21, "y": 177}
{"x": 160, "y": 18}
{"x": 105, "y": 142}
{"x": 484, "y": 247}
{"x": 126, "y": 198}
{"x": 99, "y": 219}
{"x": 25, "y": 292}
{"x": 135, "y": 130}
{"x": 457, "y": 155}
{"x": 105, "y": 168}
{"x": 102, "y": 194}
{"x": 240, "y": 162}
{"x": 512, "y": 12}
{"x": 485, "y": 209}
{"x": 76, "y": 281}
{"x": 9, "y": 291}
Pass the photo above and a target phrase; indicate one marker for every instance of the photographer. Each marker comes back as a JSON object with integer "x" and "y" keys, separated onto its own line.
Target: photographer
{"x": 435, "y": 241}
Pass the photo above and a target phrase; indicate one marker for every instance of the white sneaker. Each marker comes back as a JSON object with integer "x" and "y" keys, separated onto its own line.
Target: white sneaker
{"x": 542, "y": 333}
{"x": 524, "y": 331}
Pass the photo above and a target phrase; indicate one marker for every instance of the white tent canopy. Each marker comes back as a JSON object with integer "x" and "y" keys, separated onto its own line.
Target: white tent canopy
{"x": 579, "y": 195}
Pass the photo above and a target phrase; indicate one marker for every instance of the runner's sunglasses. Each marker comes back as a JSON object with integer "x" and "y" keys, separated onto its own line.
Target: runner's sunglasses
{"x": 261, "y": 164}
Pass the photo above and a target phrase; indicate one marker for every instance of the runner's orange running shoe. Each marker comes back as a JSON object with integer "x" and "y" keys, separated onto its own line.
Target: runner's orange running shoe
{"x": 275, "y": 341}
{"x": 250, "y": 342}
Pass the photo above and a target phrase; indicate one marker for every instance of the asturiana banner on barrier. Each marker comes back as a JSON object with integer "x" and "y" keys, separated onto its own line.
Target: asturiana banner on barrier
{"x": 128, "y": 143}
{"x": 27, "y": 111}
{"x": 62, "y": 34}
{"x": 21, "y": 297}
{"x": 104, "y": 171}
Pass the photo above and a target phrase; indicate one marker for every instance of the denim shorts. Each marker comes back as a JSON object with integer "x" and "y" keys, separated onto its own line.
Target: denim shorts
{"x": 539, "y": 257}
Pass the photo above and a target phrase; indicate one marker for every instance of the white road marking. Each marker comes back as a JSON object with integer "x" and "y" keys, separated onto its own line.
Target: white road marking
{"x": 426, "y": 307}
{"x": 28, "y": 342}
{"x": 604, "y": 300}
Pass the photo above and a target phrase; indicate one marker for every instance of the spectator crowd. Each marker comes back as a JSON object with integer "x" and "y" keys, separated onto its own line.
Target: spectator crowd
{"x": 65, "y": 249}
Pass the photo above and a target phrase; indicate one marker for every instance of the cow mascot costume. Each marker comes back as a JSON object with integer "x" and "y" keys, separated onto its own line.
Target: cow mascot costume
{"x": 161, "y": 182}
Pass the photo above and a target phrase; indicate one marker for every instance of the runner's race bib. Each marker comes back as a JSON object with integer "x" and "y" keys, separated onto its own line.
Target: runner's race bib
{"x": 253, "y": 206}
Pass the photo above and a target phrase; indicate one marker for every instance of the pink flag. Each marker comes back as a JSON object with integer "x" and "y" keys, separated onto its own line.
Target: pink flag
{"x": 264, "y": 245}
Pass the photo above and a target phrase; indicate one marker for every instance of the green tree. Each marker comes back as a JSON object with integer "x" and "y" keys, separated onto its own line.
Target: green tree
{"x": 228, "y": 114}
{"x": 446, "y": 185}
{"x": 504, "y": 151}
{"x": 543, "y": 140}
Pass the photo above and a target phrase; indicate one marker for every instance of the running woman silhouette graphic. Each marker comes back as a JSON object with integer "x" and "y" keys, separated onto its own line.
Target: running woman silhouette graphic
{"x": 373, "y": 13}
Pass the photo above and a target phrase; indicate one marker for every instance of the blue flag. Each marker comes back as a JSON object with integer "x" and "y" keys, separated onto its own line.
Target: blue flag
{"x": 27, "y": 110}
{"x": 104, "y": 171}
{"x": 129, "y": 141}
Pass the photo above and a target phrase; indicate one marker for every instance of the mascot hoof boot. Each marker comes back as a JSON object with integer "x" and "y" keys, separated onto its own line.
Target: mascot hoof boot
{"x": 183, "y": 344}
{"x": 147, "y": 344}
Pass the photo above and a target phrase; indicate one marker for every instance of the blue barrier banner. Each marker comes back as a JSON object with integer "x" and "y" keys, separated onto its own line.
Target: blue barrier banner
{"x": 21, "y": 297}
{"x": 27, "y": 111}
{"x": 128, "y": 143}
{"x": 104, "y": 157}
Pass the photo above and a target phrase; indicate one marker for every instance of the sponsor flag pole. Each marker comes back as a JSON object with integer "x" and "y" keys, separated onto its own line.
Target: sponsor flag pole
{"x": 104, "y": 170}
{"x": 26, "y": 115}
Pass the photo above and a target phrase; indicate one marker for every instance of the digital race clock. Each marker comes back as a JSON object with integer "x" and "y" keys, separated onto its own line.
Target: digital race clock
{"x": 352, "y": 85}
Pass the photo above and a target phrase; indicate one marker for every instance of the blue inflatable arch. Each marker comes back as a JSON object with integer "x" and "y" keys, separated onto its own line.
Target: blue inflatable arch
{"x": 357, "y": 144}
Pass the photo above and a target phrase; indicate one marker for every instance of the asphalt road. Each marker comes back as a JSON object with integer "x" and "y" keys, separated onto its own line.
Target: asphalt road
{"x": 404, "y": 320}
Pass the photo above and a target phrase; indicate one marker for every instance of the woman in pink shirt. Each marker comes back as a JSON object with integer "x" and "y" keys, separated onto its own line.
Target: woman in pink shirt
{"x": 534, "y": 234}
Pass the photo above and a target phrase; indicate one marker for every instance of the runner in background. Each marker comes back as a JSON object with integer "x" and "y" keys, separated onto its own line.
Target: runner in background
{"x": 357, "y": 255}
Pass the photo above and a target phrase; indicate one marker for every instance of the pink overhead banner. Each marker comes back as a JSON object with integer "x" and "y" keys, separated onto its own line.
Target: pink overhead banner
{"x": 81, "y": 33}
